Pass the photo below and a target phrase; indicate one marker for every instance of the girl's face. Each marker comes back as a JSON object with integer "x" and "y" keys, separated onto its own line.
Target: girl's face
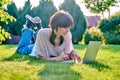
{"x": 63, "y": 31}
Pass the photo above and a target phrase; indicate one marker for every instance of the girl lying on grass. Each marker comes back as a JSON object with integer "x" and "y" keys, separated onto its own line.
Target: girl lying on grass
{"x": 53, "y": 43}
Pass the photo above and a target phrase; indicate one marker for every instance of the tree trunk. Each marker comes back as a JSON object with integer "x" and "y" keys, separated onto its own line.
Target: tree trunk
{"x": 103, "y": 14}
{"x": 109, "y": 12}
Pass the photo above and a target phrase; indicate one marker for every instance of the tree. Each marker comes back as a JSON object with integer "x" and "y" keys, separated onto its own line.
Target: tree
{"x": 44, "y": 10}
{"x": 79, "y": 19}
{"x": 11, "y": 27}
{"x": 15, "y": 27}
{"x": 99, "y": 6}
{"x": 4, "y": 17}
{"x": 27, "y": 8}
{"x": 21, "y": 15}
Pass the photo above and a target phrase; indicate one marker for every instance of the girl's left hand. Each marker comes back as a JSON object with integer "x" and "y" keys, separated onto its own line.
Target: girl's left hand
{"x": 64, "y": 56}
{"x": 74, "y": 56}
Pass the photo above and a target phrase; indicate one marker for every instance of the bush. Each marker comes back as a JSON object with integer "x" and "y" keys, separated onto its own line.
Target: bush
{"x": 110, "y": 25}
{"x": 3, "y": 35}
{"x": 111, "y": 29}
{"x": 93, "y": 34}
{"x": 112, "y": 38}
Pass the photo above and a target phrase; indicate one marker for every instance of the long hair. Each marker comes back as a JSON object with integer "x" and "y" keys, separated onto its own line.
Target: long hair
{"x": 60, "y": 19}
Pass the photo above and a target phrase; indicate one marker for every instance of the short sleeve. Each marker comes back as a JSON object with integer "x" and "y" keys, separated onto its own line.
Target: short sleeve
{"x": 40, "y": 48}
{"x": 68, "y": 43}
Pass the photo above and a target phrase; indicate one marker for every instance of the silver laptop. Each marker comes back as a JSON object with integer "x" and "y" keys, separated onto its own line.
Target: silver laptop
{"x": 91, "y": 52}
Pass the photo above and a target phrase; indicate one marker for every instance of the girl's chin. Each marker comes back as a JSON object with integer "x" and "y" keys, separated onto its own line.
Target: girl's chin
{"x": 63, "y": 34}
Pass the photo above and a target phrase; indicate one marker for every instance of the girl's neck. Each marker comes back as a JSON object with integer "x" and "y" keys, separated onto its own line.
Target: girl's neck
{"x": 57, "y": 39}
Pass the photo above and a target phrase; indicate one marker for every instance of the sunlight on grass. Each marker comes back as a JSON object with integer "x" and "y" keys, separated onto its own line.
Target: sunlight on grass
{"x": 106, "y": 67}
{"x": 15, "y": 66}
{"x": 19, "y": 71}
{"x": 7, "y": 50}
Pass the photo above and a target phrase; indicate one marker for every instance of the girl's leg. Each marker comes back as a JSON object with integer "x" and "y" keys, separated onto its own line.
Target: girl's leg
{"x": 24, "y": 46}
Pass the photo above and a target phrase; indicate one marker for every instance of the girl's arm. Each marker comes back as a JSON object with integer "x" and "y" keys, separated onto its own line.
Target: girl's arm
{"x": 61, "y": 57}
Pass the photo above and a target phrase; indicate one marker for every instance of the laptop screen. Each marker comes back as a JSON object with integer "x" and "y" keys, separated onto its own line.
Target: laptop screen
{"x": 91, "y": 51}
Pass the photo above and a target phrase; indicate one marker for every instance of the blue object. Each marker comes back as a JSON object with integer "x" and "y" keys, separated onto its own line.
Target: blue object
{"x": 24, "y": 46}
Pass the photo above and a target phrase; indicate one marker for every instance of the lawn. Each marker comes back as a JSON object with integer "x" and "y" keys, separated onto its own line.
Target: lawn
{"x": 15, "y": 66}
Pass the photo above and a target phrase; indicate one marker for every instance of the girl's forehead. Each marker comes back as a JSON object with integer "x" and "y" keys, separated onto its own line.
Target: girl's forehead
{"x": 65, "y": 27}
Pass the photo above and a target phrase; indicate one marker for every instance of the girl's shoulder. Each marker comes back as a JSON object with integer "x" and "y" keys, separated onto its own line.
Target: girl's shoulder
{"x": 44, "y": 31}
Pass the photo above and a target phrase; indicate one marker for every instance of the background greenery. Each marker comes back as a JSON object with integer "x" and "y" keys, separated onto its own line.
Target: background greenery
{"x": 4, "y": 18}
{"x": 107, "y": 31}
{"x": 44, "y": 10}
{"x": 109, "y": 28}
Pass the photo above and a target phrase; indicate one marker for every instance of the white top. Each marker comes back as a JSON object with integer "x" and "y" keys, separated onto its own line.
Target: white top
{"x": 44, "y": 48}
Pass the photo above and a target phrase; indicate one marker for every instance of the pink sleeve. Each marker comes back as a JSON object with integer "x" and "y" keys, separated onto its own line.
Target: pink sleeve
{"x": 68, "y": 43}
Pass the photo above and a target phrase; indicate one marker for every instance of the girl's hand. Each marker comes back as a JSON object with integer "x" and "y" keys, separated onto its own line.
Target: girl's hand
{"x": 74, "y": 56}
{"x": 64, "y": 56}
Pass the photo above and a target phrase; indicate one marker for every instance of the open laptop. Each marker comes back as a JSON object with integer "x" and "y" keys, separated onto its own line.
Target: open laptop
{"x": 91, "y": 52}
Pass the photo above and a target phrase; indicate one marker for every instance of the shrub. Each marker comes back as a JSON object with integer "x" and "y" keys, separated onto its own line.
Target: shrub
{"x": 93, "y": 34}
{"x": 112, "y": 38}
{"x": 3, "y": 35}
{"x": 111, "y": 29}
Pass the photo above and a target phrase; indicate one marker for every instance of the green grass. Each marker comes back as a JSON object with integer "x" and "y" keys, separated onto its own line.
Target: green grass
{"x": 15, "y": 66}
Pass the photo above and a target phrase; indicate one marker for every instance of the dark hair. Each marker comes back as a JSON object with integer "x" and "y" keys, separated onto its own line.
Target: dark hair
{"x": 60, "y": 19}
{"x": 39, "y": 25}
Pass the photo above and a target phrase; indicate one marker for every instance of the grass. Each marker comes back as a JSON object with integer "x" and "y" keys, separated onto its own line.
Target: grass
{"x": 15, "y": 66}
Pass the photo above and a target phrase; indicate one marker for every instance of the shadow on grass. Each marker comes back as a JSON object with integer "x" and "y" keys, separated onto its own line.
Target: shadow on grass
{"x": 97, "y": 65}
{"x": 22, "y": 57}
{"x": 52, "y": 70}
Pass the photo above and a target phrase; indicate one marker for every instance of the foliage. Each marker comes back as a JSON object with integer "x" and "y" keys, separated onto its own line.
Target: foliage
{"x": 111, "y": 29}
{"x": 44, "y": 10}
{"x": 19, "y": 14}
{"x": 11, "y": 27}
{"x": 98, "y": 6}
{"x": 112, "y": 38}
{"x": 3, "y": 35}
{"x": 4, "y": 17}
{"x": 93, "y": 34}
{"x": 79, "y": 19}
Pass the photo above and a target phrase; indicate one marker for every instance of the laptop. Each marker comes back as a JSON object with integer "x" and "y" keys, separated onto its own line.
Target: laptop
{"x": 91, "y": 52}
